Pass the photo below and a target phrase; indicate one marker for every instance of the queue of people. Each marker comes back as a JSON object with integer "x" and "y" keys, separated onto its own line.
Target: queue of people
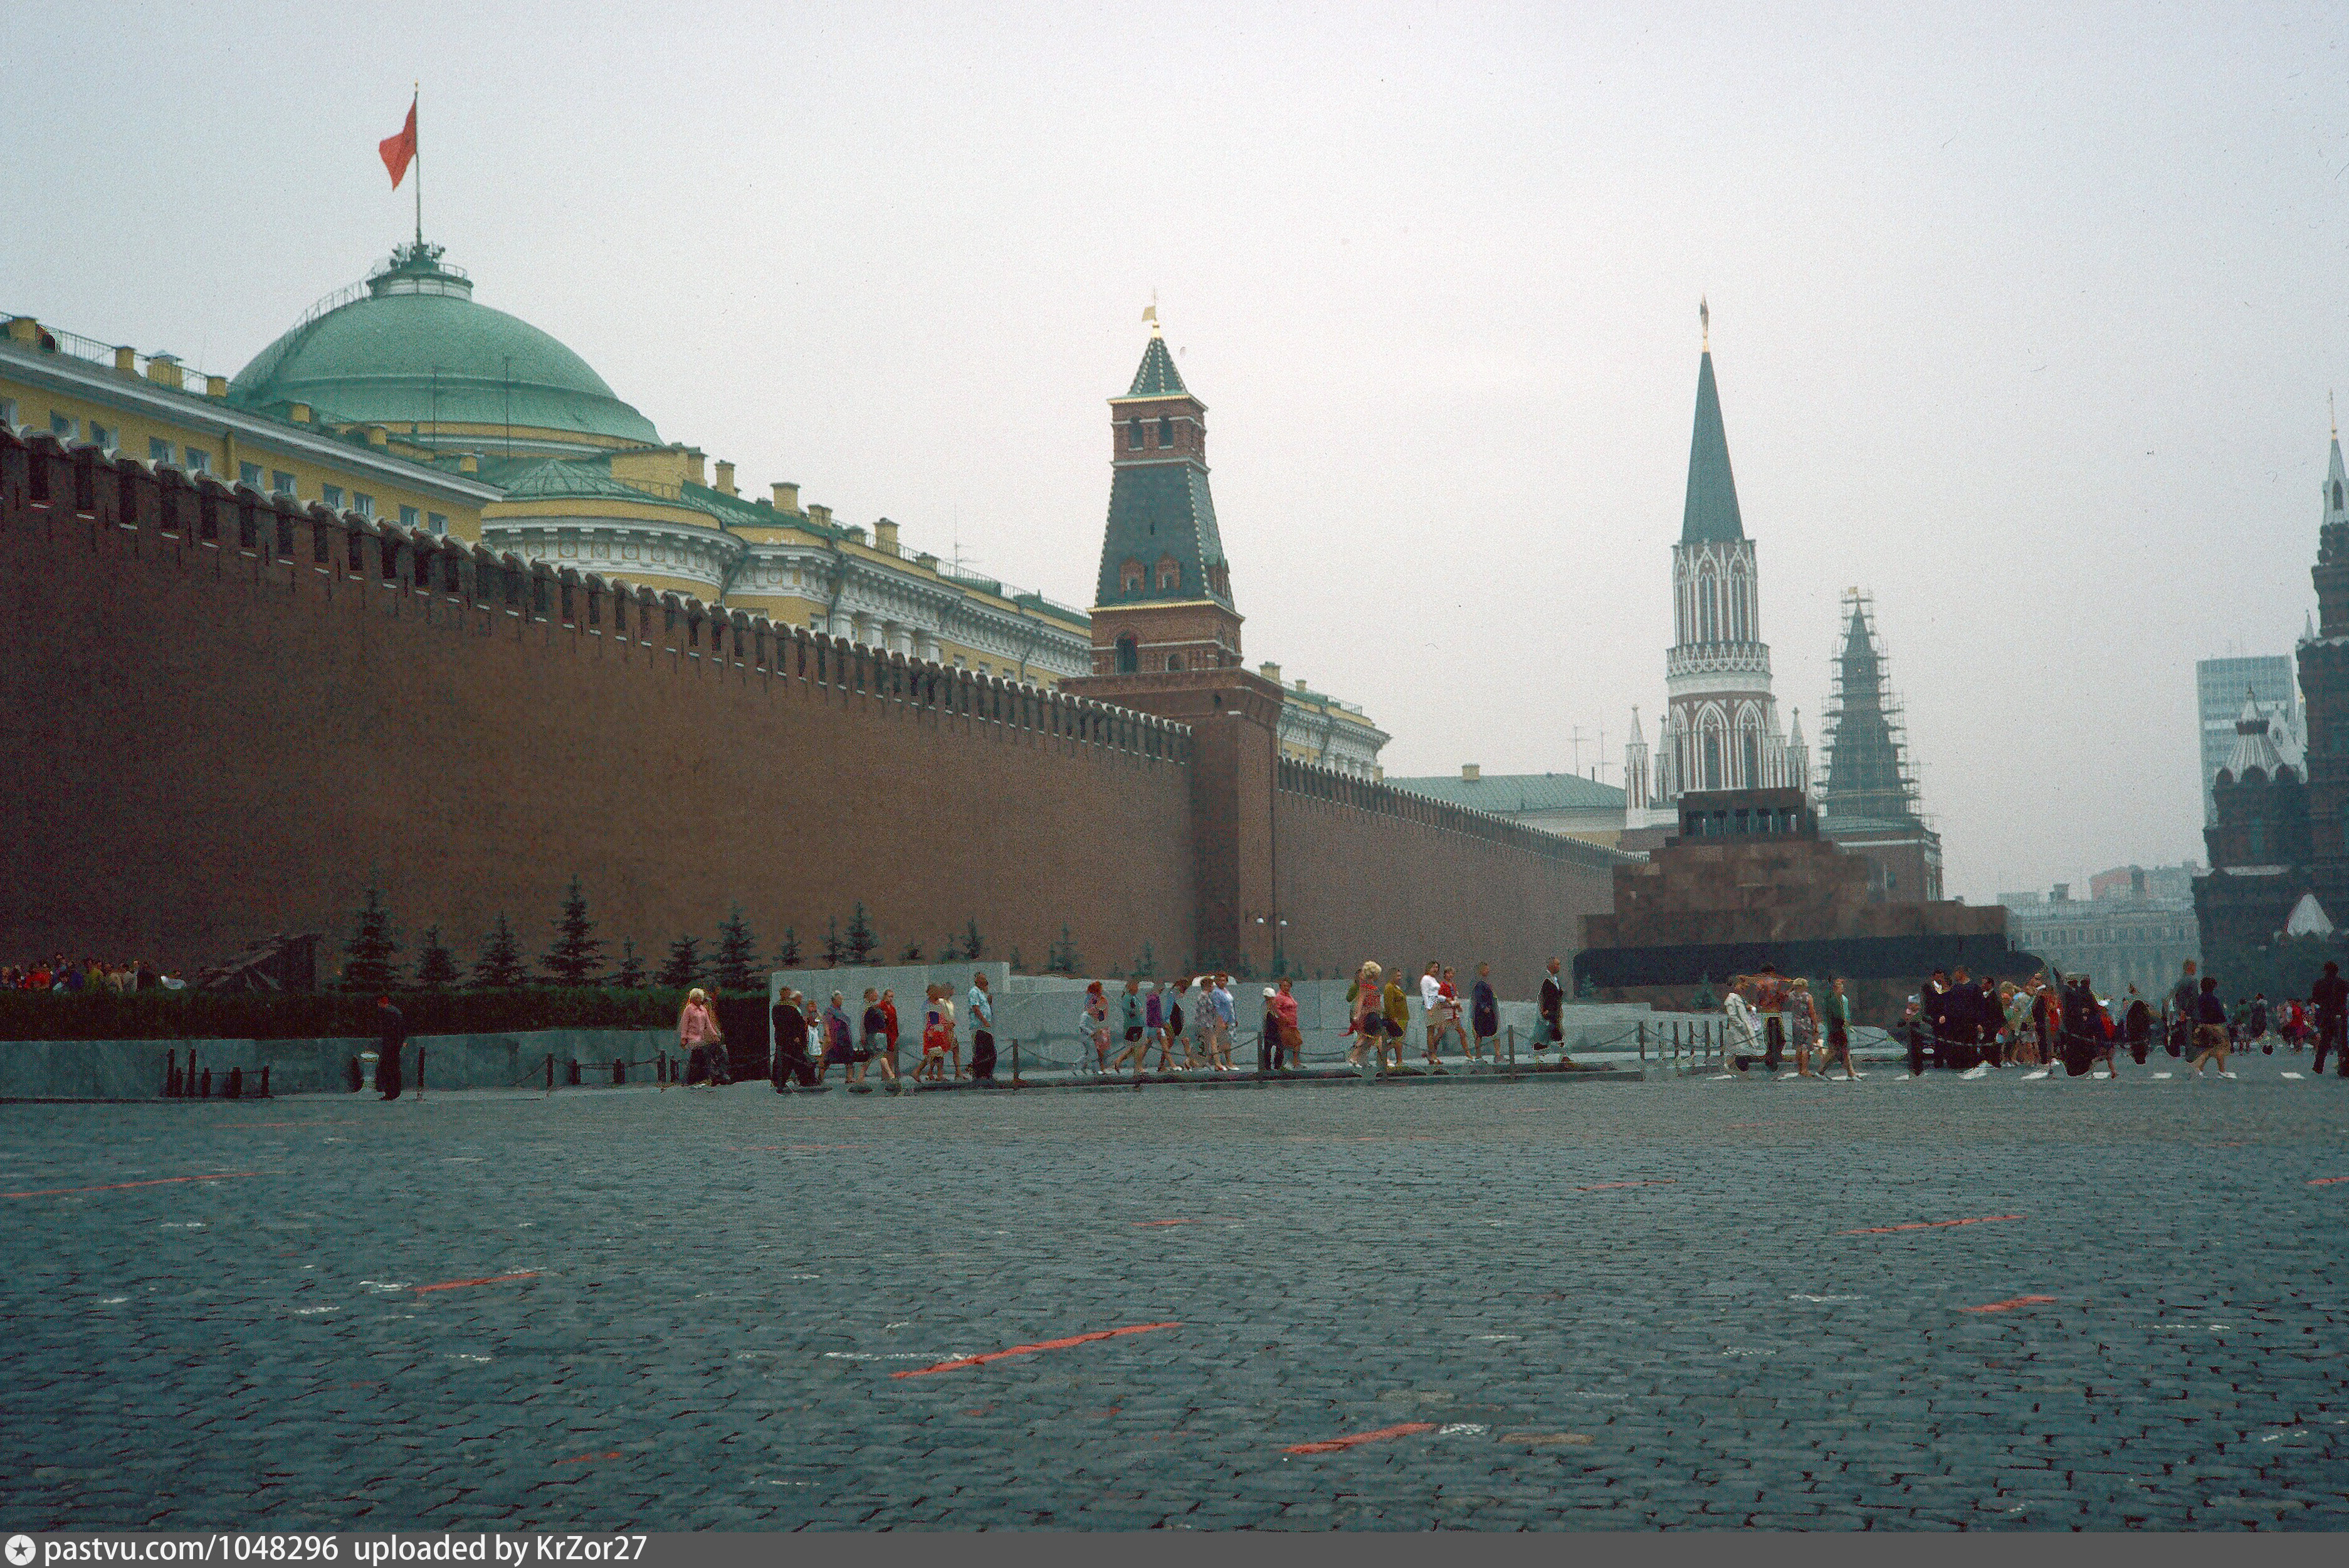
{"x": 87, "y": 976}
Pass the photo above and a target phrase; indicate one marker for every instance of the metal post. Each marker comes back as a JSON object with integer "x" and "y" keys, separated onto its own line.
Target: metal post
{"x": 1513, "y": 1047}
{"x": 1014, "y": 1062}
{"x": 419, "y": 1075}
{"x": 550, "y": 1072}
{"x": 1643, "y": 1040}
{"x": 265, "y": 1080}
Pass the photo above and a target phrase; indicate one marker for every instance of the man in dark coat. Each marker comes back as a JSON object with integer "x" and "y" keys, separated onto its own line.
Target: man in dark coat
{"x": 791, "y": 1026}
{"x": 1553, "y": 1010}
{"x": 1933, "y": 1011}
{"x": 2331, "y": 995}
{"x": 390, "y": 1034}
{"x": 1483, "y": 1012}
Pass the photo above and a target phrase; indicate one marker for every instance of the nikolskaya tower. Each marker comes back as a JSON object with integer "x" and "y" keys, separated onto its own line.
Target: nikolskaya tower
{"x": 1721, "y": 728}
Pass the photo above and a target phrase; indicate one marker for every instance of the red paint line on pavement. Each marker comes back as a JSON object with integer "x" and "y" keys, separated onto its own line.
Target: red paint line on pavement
{"x": 1929, "y": 1225}
{"x": 122, "y": 1186}
{"x": 590, "y": 1458}
{"x": 484, "y": 1280}
{"x": 1610, "y": 1185}
{"x": 2328, "y": 1180}
{"x": 960, "y": 1362}
{"x": 2010, "y": 1304}
{"x": 1353, "y": 1439}
{"x": 1204, "y": 1219}
{"x": 784, "y": 1147}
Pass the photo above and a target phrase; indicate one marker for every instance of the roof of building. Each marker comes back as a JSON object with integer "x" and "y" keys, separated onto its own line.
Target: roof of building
{"x": 1709, "y": 514}
{"x": 1157, "y": 510}
{"x": 415, "y": 352}
{"x": 1509, "y": 795}
{"x": 558, "y": 478}
{"x": 2254, "y": 747}
{"x": 1156, "y": 376}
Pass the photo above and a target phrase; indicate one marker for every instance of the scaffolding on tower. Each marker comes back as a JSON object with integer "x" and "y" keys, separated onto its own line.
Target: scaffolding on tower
{"x": 1865, "y": 741}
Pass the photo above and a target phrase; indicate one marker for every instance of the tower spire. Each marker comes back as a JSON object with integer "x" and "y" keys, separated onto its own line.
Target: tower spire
{"x": 1710, "y": 513}
{"x": 1705, "y": 323}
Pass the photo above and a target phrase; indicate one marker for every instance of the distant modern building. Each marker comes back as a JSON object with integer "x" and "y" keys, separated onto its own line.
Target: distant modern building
{"x": 1868, "y": 800}
{"x": 2135, "y": 931}
{"x": 2159, "y": 881}
{"x": 1563, "y": 803}
{"x": 2219, "y": 687}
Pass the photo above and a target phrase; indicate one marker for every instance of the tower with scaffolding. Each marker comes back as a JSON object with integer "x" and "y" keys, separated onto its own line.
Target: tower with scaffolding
{"x": 1868, "y": 800}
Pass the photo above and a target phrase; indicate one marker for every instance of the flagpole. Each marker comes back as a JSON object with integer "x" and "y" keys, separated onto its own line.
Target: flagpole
{"x": 419, "y": 166}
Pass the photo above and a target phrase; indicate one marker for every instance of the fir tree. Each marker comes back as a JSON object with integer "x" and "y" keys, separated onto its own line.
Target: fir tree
{"x": 948, "y": 952}
{"x": 1146, "y": 966}
{"x": 861, "y": 941}
{"x": 500, "y": 966}
{"x": 1019, "y": 965}
{"x": 913, "y": 953}
{"x": 683, "y": 969}
{"x": 1063, "y": 957}
{"x": 370, "y": 947}
{"x": 833, "y": 950}
{"x": 737, "y": 964}
{"x": 973, "y": 944}
{"x": 576, "y": 955}
{"x": 787, "y": 956}
{"x": 436, "y": 966}
{"x": 630, "y": 975}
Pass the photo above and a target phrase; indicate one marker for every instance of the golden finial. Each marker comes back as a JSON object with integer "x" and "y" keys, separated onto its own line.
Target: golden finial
{"x": 1150, "y": 313}
{"x": 2332, "y": 412}
{"x": 1705, "y": 322}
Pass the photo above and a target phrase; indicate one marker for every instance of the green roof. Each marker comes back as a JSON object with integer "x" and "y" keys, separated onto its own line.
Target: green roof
{"x": 1710, "y": 515}
{"x": 1506, "y": 795}
{"x": 1156, "y": 377}
{"x": 1157, "y": 510}
{"x": 417, "y": 351}
{"x": 581, "y": 480}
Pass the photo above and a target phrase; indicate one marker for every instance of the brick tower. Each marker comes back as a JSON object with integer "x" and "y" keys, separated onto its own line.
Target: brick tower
{"x": 1167, "y": 640}
{"x": 1720, "y": 728}
{"x": 1164, "y": 601}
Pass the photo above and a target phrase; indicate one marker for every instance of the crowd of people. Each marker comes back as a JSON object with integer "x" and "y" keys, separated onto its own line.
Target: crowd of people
{"x": 1191, "y": 1023}
{"x": 87, "y": 976}
{"x": 1977, "y": 1023}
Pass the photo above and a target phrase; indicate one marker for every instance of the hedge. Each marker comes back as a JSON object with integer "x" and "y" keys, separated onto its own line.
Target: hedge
{"x": 327, "y": 1014}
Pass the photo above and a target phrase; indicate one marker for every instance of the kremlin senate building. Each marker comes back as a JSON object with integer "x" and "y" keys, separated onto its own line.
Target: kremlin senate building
{"x": 404, "y": 400}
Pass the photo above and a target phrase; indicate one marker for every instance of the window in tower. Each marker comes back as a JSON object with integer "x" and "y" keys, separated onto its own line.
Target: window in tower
{"x": 1166, "y": 432}
{"x": 1134, "y": 436}
{"x": 1174, "y": 661}
{"x": 1712, "y": 759}
{"x": 1129, "y": 655}
{"x": 1753, "y": 761}
{"x": 1709, "y": 610}
{"x": 1129, "y": 577}
{"x": 1170, "y": 575}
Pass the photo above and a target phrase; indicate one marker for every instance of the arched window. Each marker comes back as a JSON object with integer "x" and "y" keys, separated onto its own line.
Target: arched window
{"x": 1166, "y": 432}
{"x": 1712, "y": 759}
{"x": 1174, "y": 661}
{"x": 1134, "y": 436}
{"x": 1708, "y": 610}
{"x": 1170, "y": 574}
{"x": 1129, "y": 655}
{"x": 1129, "y": 577}
{"x": 1753, "y": 761}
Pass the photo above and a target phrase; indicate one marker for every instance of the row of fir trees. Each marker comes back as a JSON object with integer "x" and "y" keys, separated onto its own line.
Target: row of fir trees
{"x": 576, "y": 956}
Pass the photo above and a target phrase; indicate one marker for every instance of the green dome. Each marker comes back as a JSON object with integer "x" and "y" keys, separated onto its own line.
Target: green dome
{"x": 415, "y": 352}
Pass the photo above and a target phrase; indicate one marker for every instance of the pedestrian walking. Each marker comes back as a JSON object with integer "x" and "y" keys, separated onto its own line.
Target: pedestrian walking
{"x": 839, "y": 1040}
{"x": 937, "y": 1032}
{"x": 874, "y": 1043}
{"x": 2184, "y": 1009}
{"x": 1092, "y": 1026}
{"x": 789, "y": 1020}
{"x": 699, "y": 1038}
{"x": 1395, "y": 1002}
{"x": 2136, "y": 1027}
{"x": 1838, "y": 1046}
{"x": 2330, "y": 994}
{"x": 1552, "y": 1031}
{"x": 1366, "y": 1017}
{"x": 889, "y": 1029}
{"x": 1483, "y": 1015}
{"x": 1225, "y": 1015}
{"x": 391, "y": 1035}
{"x": 981, "y": 1002}
{"x": 2209, "y": 1029}
{"x": 1268, "y": 1039}
{"x": 1292, "y": 1037}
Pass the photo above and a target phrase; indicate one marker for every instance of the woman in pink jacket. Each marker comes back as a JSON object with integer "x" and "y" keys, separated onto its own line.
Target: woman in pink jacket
{"x": 698, "y": 1037}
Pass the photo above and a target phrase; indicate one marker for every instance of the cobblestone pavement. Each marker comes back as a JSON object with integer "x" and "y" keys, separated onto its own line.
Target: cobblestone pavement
{"x": 1553, "y": 1305}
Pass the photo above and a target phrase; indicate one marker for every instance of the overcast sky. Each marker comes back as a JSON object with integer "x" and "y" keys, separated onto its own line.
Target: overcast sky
{"x": 2024, "y": 321}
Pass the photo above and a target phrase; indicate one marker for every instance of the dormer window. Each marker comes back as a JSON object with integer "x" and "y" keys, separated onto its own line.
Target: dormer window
{"x": 1166, "y": 436}
{"x": 1129, "y": 577}
{"x": 1170, "y": 574}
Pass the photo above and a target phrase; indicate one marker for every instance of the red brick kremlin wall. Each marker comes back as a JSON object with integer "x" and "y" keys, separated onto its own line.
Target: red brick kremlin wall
{"x": 210, "y": 741}
{"x": 227, "y": 717}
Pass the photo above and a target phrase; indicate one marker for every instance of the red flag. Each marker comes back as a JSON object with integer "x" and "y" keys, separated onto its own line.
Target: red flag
{"x": 399, "y": 150}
